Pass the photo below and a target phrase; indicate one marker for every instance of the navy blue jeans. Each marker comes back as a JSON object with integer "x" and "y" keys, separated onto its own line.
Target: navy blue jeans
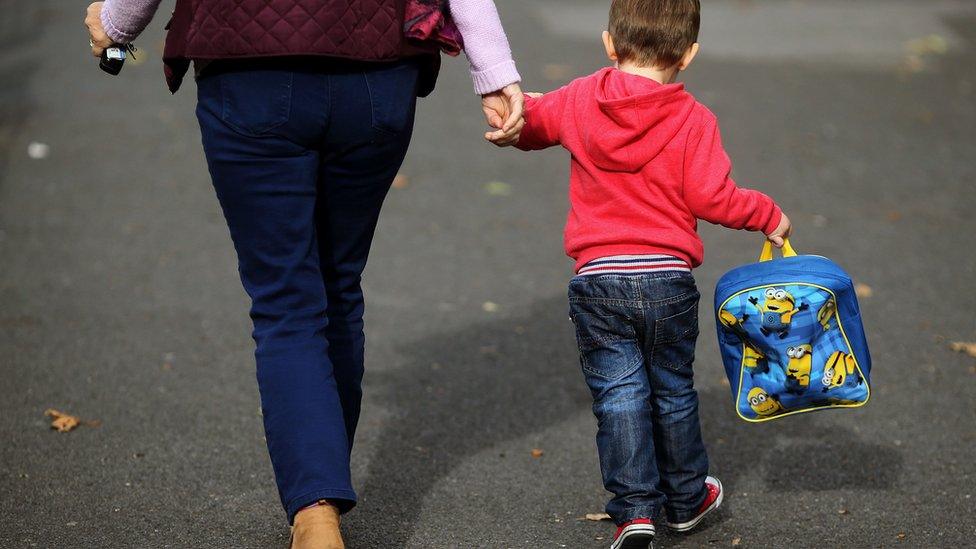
{"x": 636, "y": 335}
{"x": 301, "y": 161}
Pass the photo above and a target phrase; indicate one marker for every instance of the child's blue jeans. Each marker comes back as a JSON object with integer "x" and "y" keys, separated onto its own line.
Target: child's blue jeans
{"x": 636, "y": 335}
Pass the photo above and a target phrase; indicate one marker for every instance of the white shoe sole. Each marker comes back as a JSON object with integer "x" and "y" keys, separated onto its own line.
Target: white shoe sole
{"x": 634, "y": 536}
{"x": 685, "y": 526}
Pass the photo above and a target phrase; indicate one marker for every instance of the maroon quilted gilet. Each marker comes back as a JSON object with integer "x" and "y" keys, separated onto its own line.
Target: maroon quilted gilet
{"x": 367, "y": 30}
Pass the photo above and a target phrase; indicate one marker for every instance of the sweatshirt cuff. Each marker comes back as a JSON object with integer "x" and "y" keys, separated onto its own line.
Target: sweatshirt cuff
{"x": 117, "y": 35}
{"x": 495, "y": 78}
{"x": 773, "y": 221}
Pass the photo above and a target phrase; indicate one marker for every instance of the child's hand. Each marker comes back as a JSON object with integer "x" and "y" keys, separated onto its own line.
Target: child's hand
{"x": 782, "y": 232}
{"x": 503, "y": 111}
{"x": 504, "y": 138}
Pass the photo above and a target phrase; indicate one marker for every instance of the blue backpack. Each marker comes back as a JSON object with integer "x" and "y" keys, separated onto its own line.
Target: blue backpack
{"x": 791, "y": 336}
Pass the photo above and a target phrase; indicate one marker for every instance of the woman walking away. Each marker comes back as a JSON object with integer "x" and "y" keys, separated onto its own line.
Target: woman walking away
{"x": 306, "y": 109}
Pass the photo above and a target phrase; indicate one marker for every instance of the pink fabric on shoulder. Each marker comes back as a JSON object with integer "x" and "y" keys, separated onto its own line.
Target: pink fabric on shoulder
{"x": 426, "y": 21}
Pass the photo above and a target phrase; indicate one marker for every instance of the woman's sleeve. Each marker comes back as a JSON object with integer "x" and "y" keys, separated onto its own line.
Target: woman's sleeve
{"x": 485, "y": 44}
{"x": 123, "y": 20}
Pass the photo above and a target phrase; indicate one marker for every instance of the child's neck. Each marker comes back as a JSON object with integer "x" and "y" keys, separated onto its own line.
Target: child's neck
{"x": 661, "y": 76}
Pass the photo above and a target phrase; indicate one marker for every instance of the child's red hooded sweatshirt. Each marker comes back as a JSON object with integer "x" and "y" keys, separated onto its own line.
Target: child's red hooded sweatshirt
{"x": 647, "y": 164}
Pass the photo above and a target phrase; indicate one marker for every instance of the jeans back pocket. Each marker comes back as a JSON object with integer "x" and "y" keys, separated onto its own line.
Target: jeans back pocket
{"x": 255, "y": 102}
{"x": 393, "y": 97}
{"x": 675, "y": 336}
{"x": 608, "y": 345}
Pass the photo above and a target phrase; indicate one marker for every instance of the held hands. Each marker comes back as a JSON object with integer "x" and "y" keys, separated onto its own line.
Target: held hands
{"x": 782, "y": 231}
{"x": 93, "y": 20}
{"x": 503, "y": 111}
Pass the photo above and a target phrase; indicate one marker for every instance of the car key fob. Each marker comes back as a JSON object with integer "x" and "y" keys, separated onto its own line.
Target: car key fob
{"x": 113, "y": 58}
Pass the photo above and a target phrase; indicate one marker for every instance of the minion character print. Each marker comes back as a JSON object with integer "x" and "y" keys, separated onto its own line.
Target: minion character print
{"x": 839, "y": 365}
{"x": 777, "y": 311}
{"x": 763, "y": 403}
{"x": 827, "y": 311}
{"x": 752, "y": 356}
{"x": 798, "y": 368}
{"x": 754, "y": 359}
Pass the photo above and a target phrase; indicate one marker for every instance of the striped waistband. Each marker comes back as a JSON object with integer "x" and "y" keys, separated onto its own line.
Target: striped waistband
{"x": 634, "y": 264}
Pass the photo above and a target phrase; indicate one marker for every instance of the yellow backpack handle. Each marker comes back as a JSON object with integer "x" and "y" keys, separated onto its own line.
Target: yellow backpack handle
{"x": 767, "y": 251}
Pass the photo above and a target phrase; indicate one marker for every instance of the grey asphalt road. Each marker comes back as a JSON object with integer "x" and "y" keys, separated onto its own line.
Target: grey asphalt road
{"x": 119, "y": 298}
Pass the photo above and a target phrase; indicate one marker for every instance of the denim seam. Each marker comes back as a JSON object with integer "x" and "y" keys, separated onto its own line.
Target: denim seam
{"x": 684, "y": 516}
{"x": 631, "y": 368}
{"x": 670, "y": 300}
{"x": 647, "y": 511}
{"x": 658, "y": 322}
{"x": 330, "y": 97}
{"x": 635, "y": 303}
{"x": 372, "y": 102}
{"x": 606, "y": 301}
{"x": 601, "y": 339}
{"x": 263, "y": 132}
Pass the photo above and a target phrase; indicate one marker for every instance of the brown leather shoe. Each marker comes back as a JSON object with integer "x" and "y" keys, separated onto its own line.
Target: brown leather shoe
{"x": 317, "y": 528}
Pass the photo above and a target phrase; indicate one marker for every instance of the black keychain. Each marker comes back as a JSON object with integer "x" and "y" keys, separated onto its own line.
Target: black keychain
{"x": 113, "y": 57}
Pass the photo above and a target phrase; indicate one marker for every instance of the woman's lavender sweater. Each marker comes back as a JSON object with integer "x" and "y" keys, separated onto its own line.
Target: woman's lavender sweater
{"x": 485, "y": 43}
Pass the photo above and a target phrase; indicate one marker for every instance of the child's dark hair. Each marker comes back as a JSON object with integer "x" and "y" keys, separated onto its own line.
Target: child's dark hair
{"x": 654, "y": 33}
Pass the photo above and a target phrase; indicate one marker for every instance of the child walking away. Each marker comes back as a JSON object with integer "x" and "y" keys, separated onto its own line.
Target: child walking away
{"x": 647, "y": 163}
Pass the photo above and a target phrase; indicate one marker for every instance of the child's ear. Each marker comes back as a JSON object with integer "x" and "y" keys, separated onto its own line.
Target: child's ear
{"x": 608, "y": 44}
{"x": 688, "y": 57}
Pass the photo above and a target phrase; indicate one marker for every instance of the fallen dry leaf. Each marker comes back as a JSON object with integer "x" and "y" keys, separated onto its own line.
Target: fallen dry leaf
{"x": 964, "y": 347}
{"x": 736, "y": 542}
{"x": 498, "y": 188}
{"x": 537, "y": 452}
{"x": 596, "y": 516}
{"x": 61, "y": 421}
{"x": 918, "y": 50}
{"x": 401, "y": 181}
{"x": 931, "y": 44}
{"x": 842, "y": 511}
{"x": 901, "y": 535}
{"x": 863, "y": 290}
{"x": 894, "y": 216}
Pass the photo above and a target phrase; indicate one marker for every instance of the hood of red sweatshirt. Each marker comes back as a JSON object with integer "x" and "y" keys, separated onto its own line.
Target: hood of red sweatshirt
{"x": 637, "y": 117}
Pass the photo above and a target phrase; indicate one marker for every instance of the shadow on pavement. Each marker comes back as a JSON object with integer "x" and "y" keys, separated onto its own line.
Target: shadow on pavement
{"x": 464, "y": 391}
{"x": 801, "y": 455}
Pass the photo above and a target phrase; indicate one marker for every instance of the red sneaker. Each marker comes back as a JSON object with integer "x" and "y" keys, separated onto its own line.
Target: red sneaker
{"x": 713, "y": 499}
{"x": 636, "y": 534}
